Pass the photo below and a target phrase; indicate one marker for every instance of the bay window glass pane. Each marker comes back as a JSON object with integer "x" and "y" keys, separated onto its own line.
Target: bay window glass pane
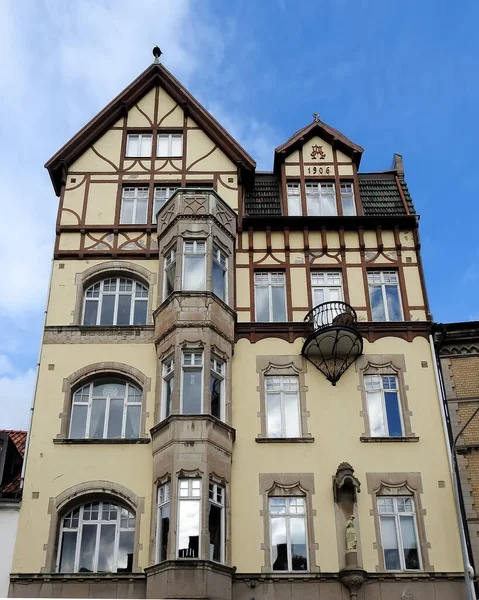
{"x": 262, "y": 304}
{"x": 97, "y": 418}
{"x": 145, "y": 149}
{"x": 133, "y": 414}
{"x": 279, "y": 550}
{"x": 188, "y": 528}
{"x": 91, "y": 311}
{"x": 107, "y": 310}
{"x": 377, "y": 425}
{"x": 298, "y": 544}
{"x": 125, "y": 551}
{"x": 214, "y": 526}
{"x": 87, "y": 548}
{"x": 394, "y": 307}
{"x": 192, "y": 391}
{"x": 291, "y": 415}
{"x": 139, "y": 316}
{"x": 124, "y": 308}
{"x": 164, "y": 527}
{"x": 67, "y": 558}
{"x": 215, "y": 389}
{"x": 106, "y": 548}
{"x": 390, "y": 543}
{"x": 170, "y": 279}
{"x": 377, "y": 304}
{"x": 219, "y": 281}
{"x": 273, "y": 411}
{"x": 279, "y": 303}
{"x": 194, "y": 268}
{"x": 393, "y": 413}
{"x": 409, "y": 542}
{"x": 78, "y": 420}
{"x": 169, "y": 383}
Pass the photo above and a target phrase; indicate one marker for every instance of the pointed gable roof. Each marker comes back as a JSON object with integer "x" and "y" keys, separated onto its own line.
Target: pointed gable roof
{"x": 325, "y": 132}
{"x": 155, "y": 74}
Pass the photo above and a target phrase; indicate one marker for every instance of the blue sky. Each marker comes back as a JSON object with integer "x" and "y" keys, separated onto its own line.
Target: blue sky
{"x": 393, "y": 77}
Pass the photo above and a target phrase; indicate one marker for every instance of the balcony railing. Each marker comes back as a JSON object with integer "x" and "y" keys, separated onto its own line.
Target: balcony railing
{"x": 330, "y": 314}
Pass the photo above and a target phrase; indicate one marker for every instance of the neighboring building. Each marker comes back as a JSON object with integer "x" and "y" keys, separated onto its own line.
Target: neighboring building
{"x": 457, "y": 346}
{"x": 186, "y": 439}
{"x": 12, "y": 449}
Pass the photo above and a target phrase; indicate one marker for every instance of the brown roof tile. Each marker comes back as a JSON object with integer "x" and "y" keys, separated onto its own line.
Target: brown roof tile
{"x": 19, "y": 438}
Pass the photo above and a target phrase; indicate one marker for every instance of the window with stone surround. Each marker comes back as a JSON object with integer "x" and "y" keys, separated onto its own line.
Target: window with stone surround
{"x": 168, "y": 385}
{"x": 97, "y": 537}
{"x": 115, "y": 301}
{"x": 194, "y": 265}
{"x": 170, "y": 272}
{"x": 163, "y": 521}
{"x": 216, "y": 521}
{"x": 189, "y": 518}
{"x": 192, "y": 382}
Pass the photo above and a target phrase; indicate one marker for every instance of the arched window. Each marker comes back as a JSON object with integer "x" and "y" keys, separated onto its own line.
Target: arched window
{"x": 116, "y": 301}
{"x": 106, "y": 408}
{"x": 97, "y": 537}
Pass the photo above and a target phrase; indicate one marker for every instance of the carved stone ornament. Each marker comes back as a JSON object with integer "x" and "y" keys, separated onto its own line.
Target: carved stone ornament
{"x": 317, "y": 151}
{"x": 353, "y": 579}
{"x": 344, "y": 478}
{"x": 351, "y": 537}
{"x": 407, "y": 595}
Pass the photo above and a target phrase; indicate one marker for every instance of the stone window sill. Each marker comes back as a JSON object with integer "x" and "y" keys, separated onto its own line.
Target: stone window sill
{"x": 410, "y": 438}
{"x": 101, "y": 441}
{"x": 288, "y": 440}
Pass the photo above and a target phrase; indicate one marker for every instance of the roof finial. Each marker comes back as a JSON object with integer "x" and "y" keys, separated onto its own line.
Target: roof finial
{"x": 316, "y": 117}
{"x": 157, "y": 53}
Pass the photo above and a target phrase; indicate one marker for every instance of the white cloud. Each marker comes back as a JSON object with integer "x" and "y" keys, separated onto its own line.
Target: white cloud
{"x": 16, "y": 393}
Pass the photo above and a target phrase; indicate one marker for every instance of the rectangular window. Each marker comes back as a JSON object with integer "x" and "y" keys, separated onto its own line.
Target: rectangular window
{"x": 282, "y": 407}
{"x": 217, "y": 377}
{"x": 138, "y": 144}
{"x": 399, "y": 533}
{"x": 163, "y": 521}
{"x": 162, "y": 195}
{"x": 327, "y": 286}
{"x": 169, "y": 144}
{"x": 216, "y": 524}
{"x": 134, "y": 205}
{"x": 194, "y": 265}
{"x": 384, "y": 295}
{"x": 287, "y": 518}
{"x": 220, "y": 273}
{"x": 347, "y": 199}
{"x": 384, "y": 409}
{"x": 270, "y": 296}
{"x": 293, "y": 193}
{"x": 321, "y": 199}
{"x": 170, "y": 272}
{"x": 189, "y": 507}
{"x": 168, "y": 385}
{"x": 192, "y": 385}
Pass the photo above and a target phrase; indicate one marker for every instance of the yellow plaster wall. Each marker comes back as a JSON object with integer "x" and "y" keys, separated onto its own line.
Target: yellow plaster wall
{"x": 356, "y": 287}
{"x": 293, "y": 157}
{"x": 146, "y": 105}
{"x": 73, "y": 200}
{"x": 292, "y": 170}
{"x": 345, "y": 171}
{"x": 341, "y": 157}
{"x": 165, "y": 105}
{"x": 109, "y": 146}
{"x": 101, "y": 204}
{"x": 53, "y": 468}
{"x": 307, "y": 148}
{"x": 336, "y": 424}
{"x": 242, "y": 288}
{"x": 69, "y": 241}
{"x": 299, "y": 286}
{"x": 413, "y": 286}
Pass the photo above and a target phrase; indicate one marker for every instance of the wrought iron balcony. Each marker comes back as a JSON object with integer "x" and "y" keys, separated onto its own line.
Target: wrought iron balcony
{"x": 332, "y": 341}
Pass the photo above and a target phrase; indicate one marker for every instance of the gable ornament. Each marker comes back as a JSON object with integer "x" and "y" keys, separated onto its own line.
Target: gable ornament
{"x": 317, "y": 151}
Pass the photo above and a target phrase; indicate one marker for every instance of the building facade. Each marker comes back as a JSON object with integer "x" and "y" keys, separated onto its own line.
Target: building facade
{"x": 236, "y": 393}
{"x": 12, "y": 448}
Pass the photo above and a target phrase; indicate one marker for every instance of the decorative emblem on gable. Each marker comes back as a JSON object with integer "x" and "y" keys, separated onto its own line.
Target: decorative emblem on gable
{"x": 317, "y": 151}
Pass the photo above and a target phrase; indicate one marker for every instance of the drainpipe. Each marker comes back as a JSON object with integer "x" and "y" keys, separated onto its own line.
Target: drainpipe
{"x": 461, "y": 517}
{"x": 32, "y": 407}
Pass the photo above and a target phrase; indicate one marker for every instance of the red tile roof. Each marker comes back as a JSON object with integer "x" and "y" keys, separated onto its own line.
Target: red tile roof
{"x": 19, "y": 438}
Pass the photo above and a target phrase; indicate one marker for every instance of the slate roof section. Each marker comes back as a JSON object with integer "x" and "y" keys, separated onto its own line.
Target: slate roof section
{"x": 264, "y": 198}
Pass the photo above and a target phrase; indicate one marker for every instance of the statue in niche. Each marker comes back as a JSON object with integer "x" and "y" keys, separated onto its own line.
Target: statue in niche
{"x": 351, "y": 537}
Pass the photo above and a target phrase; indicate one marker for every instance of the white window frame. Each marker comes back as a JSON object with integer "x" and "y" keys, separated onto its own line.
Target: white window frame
{"x": 221, "y": 259}
{"x": 199, "y": 248}
{"x": 126, "y": 403}
{"x": 320, "y": 190}
{"x": 397, "y": 516}
{"x": 268, "y": 282}
{"x": 293, "y": 193}
{"x": 213, "y": 491}
{"x": 136, "y": 199}
{"x": 195, "y": 366}
{"x": 327, "y": 281}
{"x": 170, "y": 137}
{"x": 284, "y": 384}
{"x": 168, "y": 192}
{"x": 370, "y": 386}
{"x": 218, "y": 371}
{"x": 347, "y": 191}
{"x": 137, "y": 287}
{"x": 381, "y": 281}
{"x": 288, "y": 515}
{"x": 141, "y": 138}
{"x": 170, "y": 262}
{"x": 188, "y": 498}
{"x": 163, "y": 498}
{"x": 99, "y": 522}
{"x": 168, "y": 372}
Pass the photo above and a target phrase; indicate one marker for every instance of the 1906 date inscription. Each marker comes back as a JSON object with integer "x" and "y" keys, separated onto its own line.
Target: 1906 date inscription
{"x": 319, "y": 171}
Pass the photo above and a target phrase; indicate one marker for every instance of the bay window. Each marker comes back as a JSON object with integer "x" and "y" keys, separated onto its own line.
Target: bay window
{"x": 161, "y": 196}
{"x": 169, "y": 273}
{"x": 189, "y": 518}
{"x": 192, "y": 382}
{"x": 163, "y": 521}
{"x": 194, "y": 265}
{"x": 216, "y": 524}
{"x": 168, "y": 385}
{"x": 220, "y": 273}
{"x": 217, "y": 376}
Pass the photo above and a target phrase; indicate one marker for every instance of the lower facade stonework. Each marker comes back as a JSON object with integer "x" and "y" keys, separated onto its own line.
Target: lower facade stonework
{"x": 203, "y": 580}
